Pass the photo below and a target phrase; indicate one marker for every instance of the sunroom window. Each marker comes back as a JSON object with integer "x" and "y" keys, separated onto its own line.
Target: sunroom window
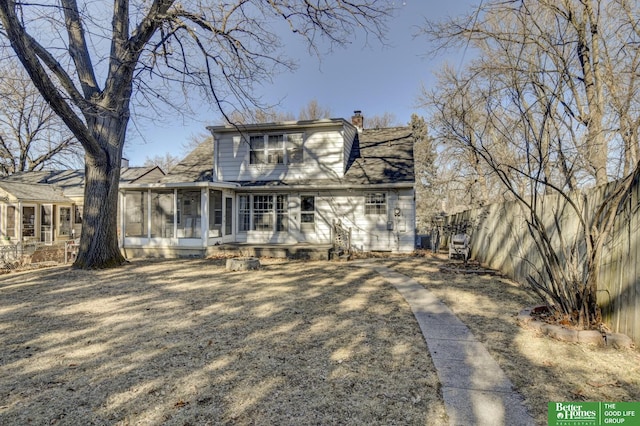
{"x": 189, "y": 212}
{"x": 215, "y": 213}
{"x": 162, "y": 214}
{"x": 135, "y": 221}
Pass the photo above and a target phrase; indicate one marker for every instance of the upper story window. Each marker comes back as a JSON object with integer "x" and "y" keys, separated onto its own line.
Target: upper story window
{"x": 276, "y": 148}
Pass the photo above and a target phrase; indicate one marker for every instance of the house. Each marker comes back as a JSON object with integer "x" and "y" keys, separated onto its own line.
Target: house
{"x": 312, "y": 183}
{"x": 46, "y": 206}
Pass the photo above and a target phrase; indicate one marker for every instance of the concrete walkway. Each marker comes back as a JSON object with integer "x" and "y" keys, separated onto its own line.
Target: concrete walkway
{"x": 475, "y": 389}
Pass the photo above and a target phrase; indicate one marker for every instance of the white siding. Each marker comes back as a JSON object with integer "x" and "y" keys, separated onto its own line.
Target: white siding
{"x": 323, "y": 158}
{"x": 368, "y": 232}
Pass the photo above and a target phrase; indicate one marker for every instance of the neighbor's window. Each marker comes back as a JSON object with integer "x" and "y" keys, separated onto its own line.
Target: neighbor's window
{"x": 276, "y": 149}
{"x": 375, "y": 203}
{"x": 135, "y": 220}
{"x": 77, "y": 214}
{"x": 65, "y": 221}
{"x": 11, "y": 221}
{"x": 28, "y": 221}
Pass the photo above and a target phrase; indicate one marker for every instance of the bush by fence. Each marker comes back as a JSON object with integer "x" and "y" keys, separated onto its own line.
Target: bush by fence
{"x": 501, "y": 240}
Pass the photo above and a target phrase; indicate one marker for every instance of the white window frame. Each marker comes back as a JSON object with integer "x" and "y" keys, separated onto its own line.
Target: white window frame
{"x": 289, "y": 153}
{"x": 277, "y": 214}
{"x": 375, "y": 203}
{"x": 308, "y": 226}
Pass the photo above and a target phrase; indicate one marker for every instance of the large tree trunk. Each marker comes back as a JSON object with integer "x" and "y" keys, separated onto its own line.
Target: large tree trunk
{"x": 99, "y": 240}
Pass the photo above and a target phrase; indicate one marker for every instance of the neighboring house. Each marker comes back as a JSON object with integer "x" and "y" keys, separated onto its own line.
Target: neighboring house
{"x": 287, "y": 183}
{"x": 46, "y": 206}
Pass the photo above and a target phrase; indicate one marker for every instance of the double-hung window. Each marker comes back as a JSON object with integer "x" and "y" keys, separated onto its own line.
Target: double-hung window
{"x": 263, "y": 212}
{"x": 375, "y": 203}
{"x": 276, "y": 149}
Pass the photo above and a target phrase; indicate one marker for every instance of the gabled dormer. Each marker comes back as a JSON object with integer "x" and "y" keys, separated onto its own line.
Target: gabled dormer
{"x": 286, "y": 151}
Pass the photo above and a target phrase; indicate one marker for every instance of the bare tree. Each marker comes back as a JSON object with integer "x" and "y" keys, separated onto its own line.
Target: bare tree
{"x": 427, "y": 189}
{"x": 546, "y": 109}
{"x": 381, "y": 121}
{"x": 314, "y": 111}
{"x": 32, "y": 136}
{"x": 137, "y": 48}
{"x": 166, "y": 162}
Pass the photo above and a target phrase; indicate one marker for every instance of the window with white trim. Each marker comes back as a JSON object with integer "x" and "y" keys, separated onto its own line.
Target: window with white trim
{"x": 215, "y": 213}
{"x": 135, "y": 215}
{"x": 282, "y": 213}
{"x": 244, "y": 213}
{"x": 280, "y": 148}
{"x": 263, "y": 212}
{"x": 375, "y": 203}
{"x": 11, "y": 221}
{"x": 308, "y": 213}
{"x": 162, "y": 214}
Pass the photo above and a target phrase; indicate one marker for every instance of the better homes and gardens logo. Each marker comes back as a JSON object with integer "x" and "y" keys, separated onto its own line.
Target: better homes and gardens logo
{"x": 594, "y": 413}
{"x": 573, "y": 413}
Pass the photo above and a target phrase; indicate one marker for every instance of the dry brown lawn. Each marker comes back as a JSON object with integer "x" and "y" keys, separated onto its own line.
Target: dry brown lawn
{"x": 184, "y": 342}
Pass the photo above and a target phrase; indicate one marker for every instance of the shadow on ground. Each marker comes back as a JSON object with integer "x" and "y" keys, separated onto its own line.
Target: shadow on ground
{"x": 186, "y": 342}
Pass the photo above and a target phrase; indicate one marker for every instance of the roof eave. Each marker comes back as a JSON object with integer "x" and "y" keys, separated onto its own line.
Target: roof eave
{"x": 284, "y": 125}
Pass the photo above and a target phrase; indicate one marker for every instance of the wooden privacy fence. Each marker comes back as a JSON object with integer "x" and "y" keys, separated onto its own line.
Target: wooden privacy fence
{"x": 500, "y": 239}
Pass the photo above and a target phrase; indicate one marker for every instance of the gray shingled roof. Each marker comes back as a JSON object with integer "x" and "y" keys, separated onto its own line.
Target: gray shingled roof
{"x": 197, "y": 166}
{"x": 382, "y": 156}
{"x": 34, "y": 192}
{"x": 72, "y": 181}
{"x": 378, "y": 156}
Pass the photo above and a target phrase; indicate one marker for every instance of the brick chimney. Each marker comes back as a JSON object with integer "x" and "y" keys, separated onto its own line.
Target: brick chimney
{"x": 358, "y": 120}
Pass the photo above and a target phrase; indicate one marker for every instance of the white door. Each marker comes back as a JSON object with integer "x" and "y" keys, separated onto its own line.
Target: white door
{"x": 308, "y": 218}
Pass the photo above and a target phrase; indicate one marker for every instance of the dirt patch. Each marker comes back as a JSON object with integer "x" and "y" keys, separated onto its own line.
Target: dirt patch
{"x": 185, "y": 342}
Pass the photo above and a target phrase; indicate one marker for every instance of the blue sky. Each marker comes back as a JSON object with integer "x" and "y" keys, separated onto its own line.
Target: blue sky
{"x": 371, "y": 78}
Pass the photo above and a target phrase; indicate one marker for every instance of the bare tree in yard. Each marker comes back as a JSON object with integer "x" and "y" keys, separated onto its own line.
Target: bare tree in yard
{"x": 427, "y": 191}
{"x": 32, "y": 136}
{"x": 550, "y": 107}
{"x": 92, "y": 60}
{"x": 166, "y": 162}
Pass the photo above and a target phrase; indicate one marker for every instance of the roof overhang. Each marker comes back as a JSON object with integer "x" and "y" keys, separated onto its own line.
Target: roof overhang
{"x": 332, "y": 187}
{"x": 170, "y": 185}
{"x": 280, "y": 126}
